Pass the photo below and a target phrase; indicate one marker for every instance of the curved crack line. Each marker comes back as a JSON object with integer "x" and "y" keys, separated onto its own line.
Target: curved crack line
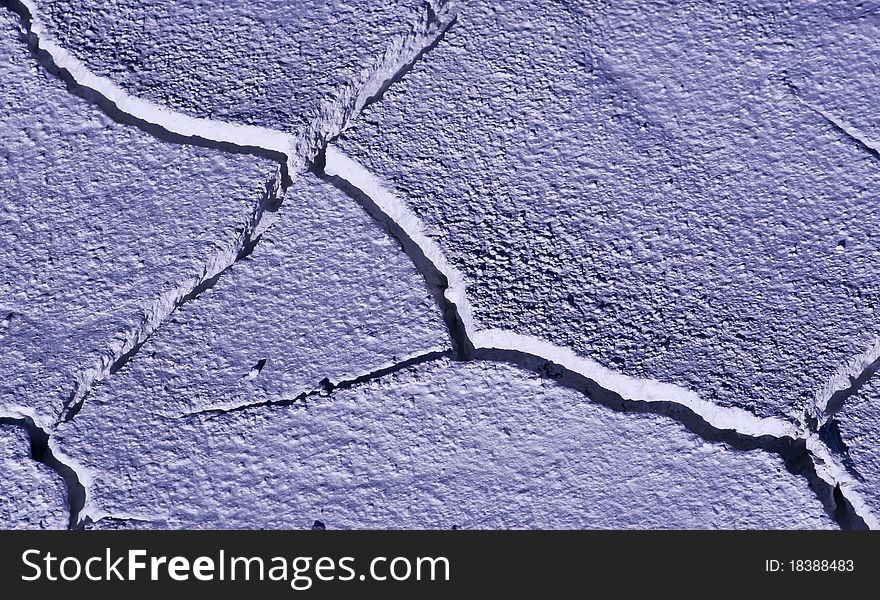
{"x": 729, "y": 425}
{"x": 799, "y": 455}
{"x": 42, "y": 451}
{"x": 818, "y": 417}
{"x": 156, "y": 120}
{"x": 292, "y": 153}
{"x": 444, "y": 283}
{"x": 804, "y": 453}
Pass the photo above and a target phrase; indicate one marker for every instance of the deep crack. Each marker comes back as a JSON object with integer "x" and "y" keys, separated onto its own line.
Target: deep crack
{"x": 736, "y": 428}
{"x": 157, "y": 121}
{"x": 41, "y": 451}
{"x": 796, "y": 456}
{"x": 169, "y": 302}
{"x": 437, "y": 282}
{"x": 803, "y": 455}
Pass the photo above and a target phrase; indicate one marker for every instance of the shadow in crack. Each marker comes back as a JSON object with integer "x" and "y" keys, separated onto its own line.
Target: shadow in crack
{"x": 42, "y": 453}
{"x": 114, "y": 112}
{"x": 435, "y": 279}
{"x": 797, "y": 458}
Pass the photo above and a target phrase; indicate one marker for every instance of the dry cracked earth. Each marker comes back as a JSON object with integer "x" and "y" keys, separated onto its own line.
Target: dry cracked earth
{"x": 406, "y": 264}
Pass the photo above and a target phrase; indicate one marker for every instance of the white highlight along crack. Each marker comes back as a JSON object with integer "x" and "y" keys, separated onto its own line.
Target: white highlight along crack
{"x": 603, "y": 385}
{"x": 736, "y": 427}
{"x": 842, "y": 386}
{"x": 293, "y": 152}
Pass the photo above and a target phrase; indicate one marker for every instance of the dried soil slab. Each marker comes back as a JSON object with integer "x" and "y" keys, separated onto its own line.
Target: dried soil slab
{"x": 255, "y": 62}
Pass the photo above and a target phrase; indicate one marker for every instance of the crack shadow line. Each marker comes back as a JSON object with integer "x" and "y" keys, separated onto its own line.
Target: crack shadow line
{"x": 41, "y": 452}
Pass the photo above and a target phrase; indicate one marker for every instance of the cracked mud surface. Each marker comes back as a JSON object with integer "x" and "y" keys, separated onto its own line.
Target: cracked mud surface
{"x": 98, "y": 220}
{"x": 472, "y": 264}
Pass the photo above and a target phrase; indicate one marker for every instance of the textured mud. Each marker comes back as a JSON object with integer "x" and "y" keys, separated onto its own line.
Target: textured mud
{"x": 443, "y": 264}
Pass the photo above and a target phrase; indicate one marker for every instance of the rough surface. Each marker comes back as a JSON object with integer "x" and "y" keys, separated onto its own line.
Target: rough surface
{"x": 856, "y": 426}
{"x": 660, "y": 211}
{"x": 262, "y": 62}
{"x": 31, "y": 495}
{"x": 325, "y": 294}
{"x": 473, "y": 445}
{"x": 644, "y": 185}
{"x": 97, "y": 220}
